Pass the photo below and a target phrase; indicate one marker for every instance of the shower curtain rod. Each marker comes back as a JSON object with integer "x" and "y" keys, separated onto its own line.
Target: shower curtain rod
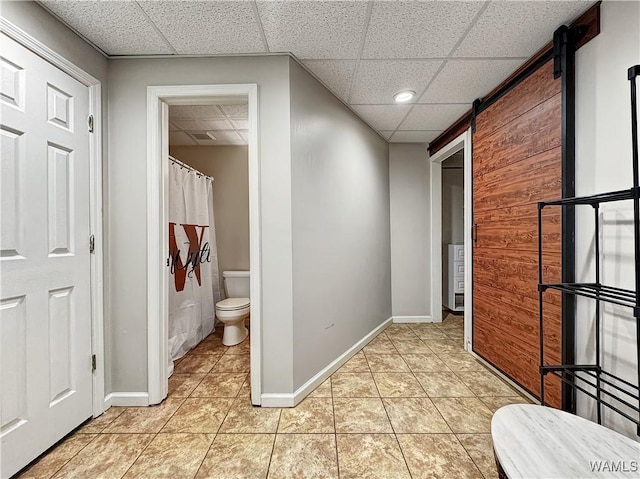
{"x": 190, "y": 168}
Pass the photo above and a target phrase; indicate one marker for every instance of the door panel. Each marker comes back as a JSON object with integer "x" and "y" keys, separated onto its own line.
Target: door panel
{"x": 45, "y": 314}
{"x": 516, "y": 163}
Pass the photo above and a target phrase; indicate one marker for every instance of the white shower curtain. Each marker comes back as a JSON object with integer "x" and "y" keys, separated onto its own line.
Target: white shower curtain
{"x": 194, "y": 286}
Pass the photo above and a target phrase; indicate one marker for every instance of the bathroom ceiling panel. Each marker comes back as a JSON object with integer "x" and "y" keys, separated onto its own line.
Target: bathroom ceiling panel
{"x": 335, "y": 74}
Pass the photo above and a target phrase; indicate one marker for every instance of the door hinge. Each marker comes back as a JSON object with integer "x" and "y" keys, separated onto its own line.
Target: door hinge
{"x": 92, "y": 243}
{"x": 93, "y": 362}
{"x": 90, "y": 123}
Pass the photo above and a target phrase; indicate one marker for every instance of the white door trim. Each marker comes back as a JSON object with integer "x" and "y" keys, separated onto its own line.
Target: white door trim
{"x": 462, "y": 142}
{"x": 95, "y": 185}
{"x": 157, "y": 219}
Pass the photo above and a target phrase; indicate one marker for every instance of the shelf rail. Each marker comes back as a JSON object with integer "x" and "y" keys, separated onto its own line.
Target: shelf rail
{"x": 609, "y": 390}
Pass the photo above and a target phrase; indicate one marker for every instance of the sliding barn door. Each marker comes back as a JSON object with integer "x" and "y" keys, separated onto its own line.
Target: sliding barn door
{"x": 517, "y": 161}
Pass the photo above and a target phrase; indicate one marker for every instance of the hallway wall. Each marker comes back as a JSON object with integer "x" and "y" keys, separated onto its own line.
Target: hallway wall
{"x": 603, "y": 163}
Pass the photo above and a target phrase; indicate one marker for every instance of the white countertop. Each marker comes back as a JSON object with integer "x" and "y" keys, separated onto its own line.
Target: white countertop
{"x": 533, "y": 441}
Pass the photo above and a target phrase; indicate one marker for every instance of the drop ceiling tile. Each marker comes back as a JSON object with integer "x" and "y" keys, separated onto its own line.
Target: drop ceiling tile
{"x": 415, "y": 136}
{"x": 226, "y": 135}
{"x": 244, "y": 134}
{"x": 207, "y": 27}
{"x": 462, "y": 81}
{"x": 180, "y": 138}
{"x": 315, "y": 30}
{"x": 240, "y": 111}
{"x": 194, "y": 112}
{"x": 240, "y": 124}
{"x": 203, "y": 125}
{"x": 117, "y": 28}
{"x": 386, "y": 133}
{"x": 173, "y": 127}
{"x": 336, "y": 74}
{"x": 433, "y": 117}
{"x": 378, "y": 80}
{"x": 417, "y": 29}
{"x": 517, "y": 29}
{"x": 382, "y": 117}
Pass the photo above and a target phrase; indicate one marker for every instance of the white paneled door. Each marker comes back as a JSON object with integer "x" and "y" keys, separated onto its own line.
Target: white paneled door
{"x": 45, "y": 303}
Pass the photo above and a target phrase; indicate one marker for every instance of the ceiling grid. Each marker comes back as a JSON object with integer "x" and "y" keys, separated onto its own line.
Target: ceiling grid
{"x": 448, "y": 53}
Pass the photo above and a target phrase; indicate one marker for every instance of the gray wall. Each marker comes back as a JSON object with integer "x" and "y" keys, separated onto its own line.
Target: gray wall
{"x": 603, "y": 163}
{"x": 452, "y": 201}
{"x": 37, "y": 22}
{"x": 410, "y": 229}
{"x": 128, "y": 81}
{"x": 229, "y": 167}
{"x": 340, "y": 208}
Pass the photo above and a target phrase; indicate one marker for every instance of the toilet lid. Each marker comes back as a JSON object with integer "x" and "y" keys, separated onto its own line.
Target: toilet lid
{"x": 231, "y": 304}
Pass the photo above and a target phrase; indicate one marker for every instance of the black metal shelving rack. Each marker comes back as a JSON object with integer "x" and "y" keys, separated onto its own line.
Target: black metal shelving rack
{"x": 606, "y": 388}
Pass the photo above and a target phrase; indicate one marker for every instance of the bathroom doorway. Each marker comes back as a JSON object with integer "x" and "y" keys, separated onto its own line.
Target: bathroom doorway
{"x": 203, "y": 133}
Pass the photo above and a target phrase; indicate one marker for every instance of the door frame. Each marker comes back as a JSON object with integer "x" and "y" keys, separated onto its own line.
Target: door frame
{"x": 158, "y": 100}
{"x": 95, "y": 198}
{"x": 462, "y": 142}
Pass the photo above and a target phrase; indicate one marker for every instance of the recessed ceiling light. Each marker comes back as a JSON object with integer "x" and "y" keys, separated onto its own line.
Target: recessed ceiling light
{"x": 404, "y": 96}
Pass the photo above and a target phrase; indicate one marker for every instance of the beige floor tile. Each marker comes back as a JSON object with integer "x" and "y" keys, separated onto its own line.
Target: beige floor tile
{"x": 304, "y": 456}
{"x": 403, "y": 333}
{"x": 427, "y": 331}
{"x": 495, "y": 403}
{"x": 108, "y": 455}
{"x": 437, "y": 456}
{"x": 322, "y": 391}
{"x": 357, "y": 364}
{"x": 414, "y": 415}
{"x": 444, "y": 384}
{"x": 370, "y": 456}
{"x": 199, "y": 415}
{"x": 171, "y": 455}
{"x": 213, "y": 346}
{"x": 387, "y": 363}
{"x": 313, "y": 415}
{"x": 57, "y": 457}
{"x": 454, "y": 333}
{"x": 233, "y": 363}
{"x": 360, "y": 415}
{"x": 245, "y": 390}
{"x": 99, "y": 423}
{"x": 145, "y": 419}
{"x": 461, "y": 362}
{"x": 220, "y": 385}
{"x": 238, "y": 456}
{"x": 353, "y": 385}
{"x": 446, "y": 346}
{"x": 485, "y": 383}
{"x": 465, "y": 415}
{"x": 480, "y": 448}
{"x": 424, "y": 363}
{"x": 411, "y": 346}
{"x": 398, "y": 385}
{"x": 182, "y": 385}
{"x": 380, "y": 345}
{"x": 244, "y": 418}
{"x": 243, "y": 348}
{"x": 197, "y": 363}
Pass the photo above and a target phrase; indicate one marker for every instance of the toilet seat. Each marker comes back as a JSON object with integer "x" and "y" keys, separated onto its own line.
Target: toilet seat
{"x": 233, "y": 304}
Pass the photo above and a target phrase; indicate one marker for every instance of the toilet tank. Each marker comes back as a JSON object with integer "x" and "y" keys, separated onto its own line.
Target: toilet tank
{"x": 236, "y": 284}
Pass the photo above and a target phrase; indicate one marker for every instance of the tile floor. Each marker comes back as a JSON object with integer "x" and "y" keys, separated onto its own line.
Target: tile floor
{"x": 411, "y": 404}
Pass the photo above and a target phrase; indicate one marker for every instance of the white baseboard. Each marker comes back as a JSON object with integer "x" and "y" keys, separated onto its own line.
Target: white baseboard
{"x": 412, "y": 319}
{"x": 126, "y": 399}
{"x": 292, "y": 399}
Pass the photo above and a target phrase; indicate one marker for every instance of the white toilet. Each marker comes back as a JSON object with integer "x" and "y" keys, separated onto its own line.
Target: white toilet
{"x": 235, "y": 309}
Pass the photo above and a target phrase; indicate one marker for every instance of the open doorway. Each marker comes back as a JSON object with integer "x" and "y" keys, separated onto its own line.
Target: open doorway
{"x": 187, "y": 128}
{"x": 208, "y": 288}
{"x": 448, "y": 167}
{"x": 453, "y": 235}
